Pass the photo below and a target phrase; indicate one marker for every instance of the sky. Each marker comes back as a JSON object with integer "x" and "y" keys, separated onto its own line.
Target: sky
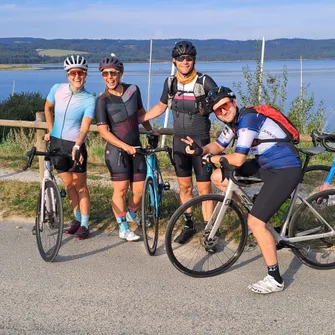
{"x": 160, "y": 19}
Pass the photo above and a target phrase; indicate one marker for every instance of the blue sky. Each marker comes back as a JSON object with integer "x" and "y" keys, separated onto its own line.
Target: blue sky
{"x": 146, "y": 19}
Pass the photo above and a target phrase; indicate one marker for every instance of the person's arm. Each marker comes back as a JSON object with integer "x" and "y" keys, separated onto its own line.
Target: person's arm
{"x": 112, "y": 139}
{"x": 48, "y": 109}
{"x": 235, "y": 159}
{"x": 145, "y": 124}
{"x": 153, "y": 112}
{"x": 213, "y": 148}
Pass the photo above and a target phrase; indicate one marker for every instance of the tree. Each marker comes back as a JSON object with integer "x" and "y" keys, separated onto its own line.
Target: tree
{"x": 21, "y": 106}
{"x": 302, "y": 111}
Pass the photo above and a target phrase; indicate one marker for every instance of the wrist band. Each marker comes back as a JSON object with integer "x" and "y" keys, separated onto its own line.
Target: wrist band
{"x": 77, "y": 147}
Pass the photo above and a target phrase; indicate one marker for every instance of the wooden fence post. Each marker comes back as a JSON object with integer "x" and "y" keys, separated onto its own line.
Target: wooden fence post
{"x": 40, "y": 144}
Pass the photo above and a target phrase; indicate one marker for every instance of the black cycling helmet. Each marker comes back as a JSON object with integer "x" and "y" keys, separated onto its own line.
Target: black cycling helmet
{"x": 218, "y": 93}
{"x": 183, "y": 48}
{"x": 111, "y": 62}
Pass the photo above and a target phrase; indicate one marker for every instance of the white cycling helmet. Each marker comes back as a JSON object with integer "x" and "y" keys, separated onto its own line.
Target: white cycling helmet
{"x": 75, "y": 61}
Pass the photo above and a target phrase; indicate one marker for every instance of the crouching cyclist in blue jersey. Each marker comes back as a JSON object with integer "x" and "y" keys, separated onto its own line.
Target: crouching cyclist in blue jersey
{"x": 73, "y": 110}
{"x": 117, "y": 113}
{"x": 276, "y": 162}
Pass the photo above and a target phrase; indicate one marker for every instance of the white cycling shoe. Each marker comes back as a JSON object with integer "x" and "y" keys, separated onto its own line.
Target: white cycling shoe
{"x": 267, "y": 285}
{"x": 129, "y": 235}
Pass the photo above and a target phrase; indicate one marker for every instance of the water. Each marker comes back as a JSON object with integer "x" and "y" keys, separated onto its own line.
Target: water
{"x": 319, "y": 74}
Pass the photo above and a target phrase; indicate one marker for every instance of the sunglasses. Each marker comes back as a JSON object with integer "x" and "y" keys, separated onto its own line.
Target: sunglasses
{"x": 182, "y": 58}
{"x": 226, "y": 106}
{"x": 109, "y": 73}
{"x": 74, "y": 73}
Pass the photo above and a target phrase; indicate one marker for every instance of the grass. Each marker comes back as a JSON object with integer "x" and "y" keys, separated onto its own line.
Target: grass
{"x": 59, "y": 52}
{"x": 15, "y": 67}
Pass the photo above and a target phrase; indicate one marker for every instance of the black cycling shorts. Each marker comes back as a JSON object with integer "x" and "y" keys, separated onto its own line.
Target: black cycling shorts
{"x": 123, "y": 166}
{"x": 64, "y": 164}
{"x": 278, "y": 186}
{"x": 184, "y": 162}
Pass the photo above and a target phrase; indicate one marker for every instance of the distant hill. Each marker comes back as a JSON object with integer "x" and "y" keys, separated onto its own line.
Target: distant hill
{"x": 28, "y": 50}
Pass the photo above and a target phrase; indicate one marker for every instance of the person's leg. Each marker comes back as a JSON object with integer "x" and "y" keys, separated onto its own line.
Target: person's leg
{"x": 67, "y": 179}
{"x": 80, "y": 183}
{"x": 205, "y": 187}
{"x": 119, "y": 209}
{"x": 134, "y": 201}
{"x": 139, "y": 168}
{"x": 278, "y": 186}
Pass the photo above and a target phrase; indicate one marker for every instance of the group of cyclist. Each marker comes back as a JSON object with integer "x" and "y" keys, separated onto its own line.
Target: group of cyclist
{"x": 191, "y": 96}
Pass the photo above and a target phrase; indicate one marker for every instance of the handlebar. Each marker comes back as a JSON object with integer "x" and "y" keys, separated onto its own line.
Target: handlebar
{"x": 324, "y": 139}
{"x": 53, "y": 153}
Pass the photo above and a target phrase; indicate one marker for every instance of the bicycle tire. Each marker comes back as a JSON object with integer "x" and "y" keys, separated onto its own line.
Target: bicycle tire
{"x": 317, "y": 253}
{"x": 150, "y": 220}
{"x": 50, "y": 232}
{"x": 314, "y": 178}
{"x": 198, "y": 257}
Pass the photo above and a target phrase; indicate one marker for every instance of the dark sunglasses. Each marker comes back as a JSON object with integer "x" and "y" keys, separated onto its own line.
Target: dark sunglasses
{"x": 182, "y": 58}
{"x": 74, "y": 73}
{"x": 111, "y": 73}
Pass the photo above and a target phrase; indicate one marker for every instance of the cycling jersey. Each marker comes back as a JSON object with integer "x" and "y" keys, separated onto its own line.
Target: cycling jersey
{"x": 269, "y": 155}
{"x": 120, "y": 113}
{"x": 187, "y": 121}
{"x": 70, "y": 108}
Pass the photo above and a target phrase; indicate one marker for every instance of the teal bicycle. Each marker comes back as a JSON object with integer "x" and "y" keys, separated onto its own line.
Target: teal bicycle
{"x": 154, "y": 188}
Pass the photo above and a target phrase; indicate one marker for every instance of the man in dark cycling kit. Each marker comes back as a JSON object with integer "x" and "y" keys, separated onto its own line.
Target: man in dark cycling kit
{"x": 276, "y": 162}
{"x": 183, "y": 94}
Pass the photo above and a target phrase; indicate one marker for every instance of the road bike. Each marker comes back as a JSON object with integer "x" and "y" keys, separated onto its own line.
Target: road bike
{"x": 320, "y": 177}
{"x": 153, "y": 190}
{"x": 49, "y": 219}
{"x": 309, "y": 227}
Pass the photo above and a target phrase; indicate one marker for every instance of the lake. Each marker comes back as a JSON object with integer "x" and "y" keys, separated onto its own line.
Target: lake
{"x": 320, "y": 75}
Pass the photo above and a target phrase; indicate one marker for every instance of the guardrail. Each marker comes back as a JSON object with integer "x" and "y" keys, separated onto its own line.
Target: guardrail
{"x": 41, "y": 127}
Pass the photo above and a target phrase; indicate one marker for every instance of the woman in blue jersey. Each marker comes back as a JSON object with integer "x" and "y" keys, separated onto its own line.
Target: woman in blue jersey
{"x": 117, "y": 112}
{"x": 73, "y": 109}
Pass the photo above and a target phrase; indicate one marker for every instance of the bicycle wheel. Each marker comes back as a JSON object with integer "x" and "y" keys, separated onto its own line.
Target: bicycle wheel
{"x": 317, "y": 253}
{"x": 149, "y": 217}
{"x": 314, "y": 177}
{"x": 49, "y": 232}
{"x": 199, "y": 256}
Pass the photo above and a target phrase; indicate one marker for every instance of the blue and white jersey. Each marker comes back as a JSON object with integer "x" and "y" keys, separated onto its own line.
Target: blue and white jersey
{"x": 70, "y": 109}
{"x": 269, "y": 155}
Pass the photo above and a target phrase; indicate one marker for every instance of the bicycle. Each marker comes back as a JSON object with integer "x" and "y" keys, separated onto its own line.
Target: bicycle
{"x": 324, "y": 173}
{"x": 309, "y": 228}
{"x": 153, "y": 190}
{"x": 49, "y": 219}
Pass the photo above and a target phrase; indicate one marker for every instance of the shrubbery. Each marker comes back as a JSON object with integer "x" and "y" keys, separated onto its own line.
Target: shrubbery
{"x": 22, "y": 106}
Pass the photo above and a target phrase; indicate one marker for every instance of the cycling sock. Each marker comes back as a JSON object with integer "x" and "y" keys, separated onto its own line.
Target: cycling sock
{"x": 188, "y": 218}
{"x": 133, "y": 211}
{"x": 122, "y": 221}
{"x": 273, "y": 271}
{"x": 77, "y": 214}
{"x": 84, "y": 220}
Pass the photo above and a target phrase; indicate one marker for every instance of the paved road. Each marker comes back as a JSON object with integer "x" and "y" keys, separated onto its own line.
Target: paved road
{"x": 106, "y": 286}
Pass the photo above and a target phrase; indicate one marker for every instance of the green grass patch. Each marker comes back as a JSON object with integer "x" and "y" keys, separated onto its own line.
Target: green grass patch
{"x": 59, "y": 52}
{"x": 20, "y": 198}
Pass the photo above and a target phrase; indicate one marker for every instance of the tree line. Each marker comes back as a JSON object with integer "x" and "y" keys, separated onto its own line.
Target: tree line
{"x": 25, "y": 50}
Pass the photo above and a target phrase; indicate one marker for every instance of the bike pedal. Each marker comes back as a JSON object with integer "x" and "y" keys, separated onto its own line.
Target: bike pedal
{"x": 63, "y": 193}
{"x": 166, "y": 186}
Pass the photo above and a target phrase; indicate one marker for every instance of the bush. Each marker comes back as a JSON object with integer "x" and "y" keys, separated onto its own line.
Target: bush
{"x": 21, "y": 106}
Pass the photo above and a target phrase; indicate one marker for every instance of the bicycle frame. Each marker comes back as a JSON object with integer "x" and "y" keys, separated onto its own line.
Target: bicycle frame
{"x": 154, "y": 172}
{"x": 220, "y": 210}
{"x": 50, "y": 201}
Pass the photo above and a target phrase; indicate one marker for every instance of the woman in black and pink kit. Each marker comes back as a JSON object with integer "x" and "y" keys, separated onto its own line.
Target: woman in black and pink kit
{"x": 117, "y": 111}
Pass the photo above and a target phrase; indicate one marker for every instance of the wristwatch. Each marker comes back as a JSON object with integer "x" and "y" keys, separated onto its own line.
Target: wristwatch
{"x": 77, "y": 147}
